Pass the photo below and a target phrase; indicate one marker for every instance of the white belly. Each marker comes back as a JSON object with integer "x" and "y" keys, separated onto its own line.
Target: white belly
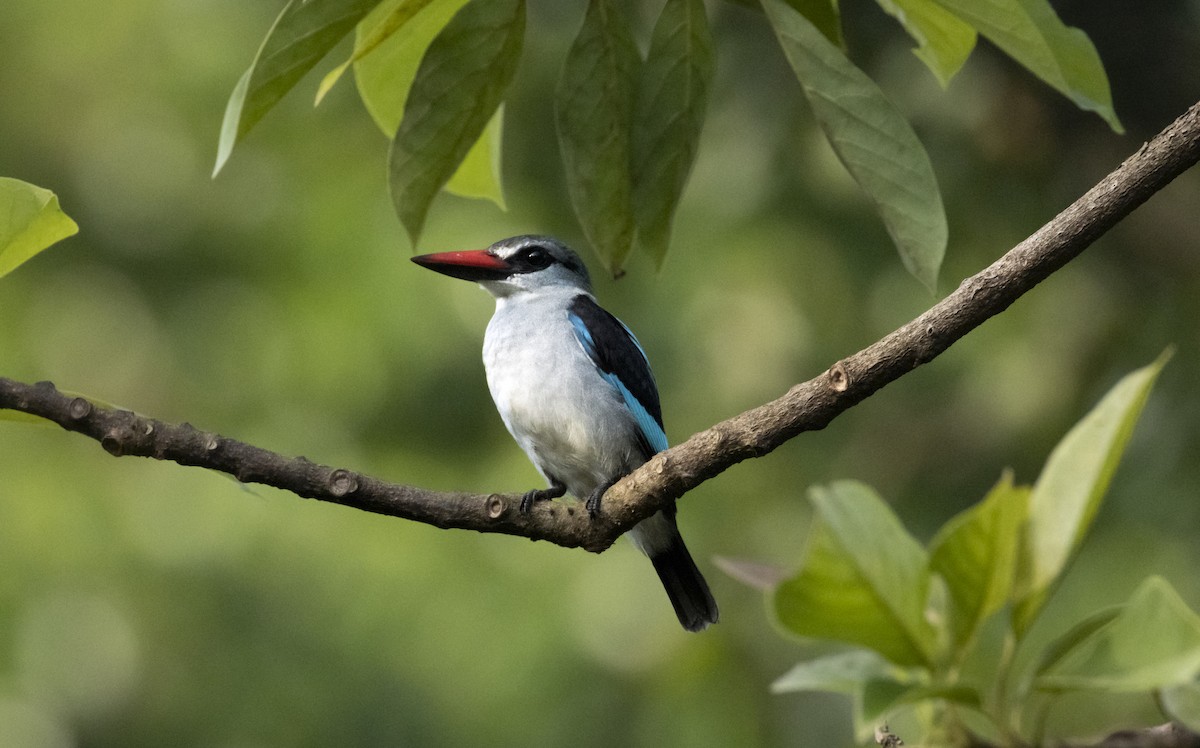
{"x": 571, "y": 423}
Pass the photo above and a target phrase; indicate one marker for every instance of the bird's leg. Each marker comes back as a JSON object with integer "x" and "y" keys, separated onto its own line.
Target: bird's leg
{"x": 530, "y": 498}
{"x": 593, "y": 500}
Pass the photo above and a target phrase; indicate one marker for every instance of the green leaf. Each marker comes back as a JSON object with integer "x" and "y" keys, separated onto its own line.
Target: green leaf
{"x": 943, "y": 41}
{"x": 824, "y": 15}
{"x": 975, "y": 553}
{"x": 479, "y": 173}
{"x": 1063, "y": 645}
{"x": 1031, "y": 33}
{"x": 381, "y": 24}
{"x": 1153, "y": 643}
{"x": 865, "y": 580}
{"x": 1069, "y": 490}
{"x": 594, "y": 104}
{"x": 396, "y": 36}
{"x": 881, "y": 697}
{"x": 30, "y": 221}
{"x": 384, "y": 78}
{"x": 844, "y": 672}
{"x": 872, "y": 139}
{"x": 672, "y": 98}
{"x": 302, "y": 34}
{"x": 458, "y": 87}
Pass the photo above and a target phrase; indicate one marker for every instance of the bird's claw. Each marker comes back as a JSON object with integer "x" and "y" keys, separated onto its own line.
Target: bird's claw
{"x": 540, "y": 494}
{"x": 528, "y": 500}
{"x": 592, "y": 503}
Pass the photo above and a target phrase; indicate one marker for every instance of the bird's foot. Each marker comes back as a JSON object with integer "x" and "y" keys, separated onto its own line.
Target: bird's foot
{"x": 592, "y": 503}
{"x": 541, "y": 494}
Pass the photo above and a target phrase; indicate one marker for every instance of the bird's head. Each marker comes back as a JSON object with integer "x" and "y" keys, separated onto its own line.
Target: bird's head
{"x": 520, "y": 264}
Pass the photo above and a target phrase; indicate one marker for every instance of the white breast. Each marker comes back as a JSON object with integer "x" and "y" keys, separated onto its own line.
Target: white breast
{"x": 571, "y": 423}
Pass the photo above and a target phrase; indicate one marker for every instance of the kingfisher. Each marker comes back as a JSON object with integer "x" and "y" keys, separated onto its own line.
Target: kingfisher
{"x": 574, "y": 388}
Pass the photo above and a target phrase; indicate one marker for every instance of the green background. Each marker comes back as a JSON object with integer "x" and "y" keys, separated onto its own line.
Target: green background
{"x": 148, "y": 604}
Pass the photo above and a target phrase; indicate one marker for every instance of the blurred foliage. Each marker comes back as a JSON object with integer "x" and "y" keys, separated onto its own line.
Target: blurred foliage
{"x": 146, "y": 604}
{"x": 915, "y": 613}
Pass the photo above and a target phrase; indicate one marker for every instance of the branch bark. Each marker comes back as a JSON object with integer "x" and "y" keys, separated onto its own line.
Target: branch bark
{"x": 808, "y": 406}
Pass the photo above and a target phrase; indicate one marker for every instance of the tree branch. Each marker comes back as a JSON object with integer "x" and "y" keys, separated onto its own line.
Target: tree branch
{"x": 806, "y": 407}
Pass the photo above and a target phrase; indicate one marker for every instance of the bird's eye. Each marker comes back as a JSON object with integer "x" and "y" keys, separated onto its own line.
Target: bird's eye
{"x": 537, "y": 258}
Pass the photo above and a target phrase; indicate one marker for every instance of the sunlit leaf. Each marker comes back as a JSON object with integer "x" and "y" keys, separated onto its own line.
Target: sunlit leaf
{"x": 1031, "y": 33}
{"x": 30, "y": 221}
{"x": 1069, "y": 490}
{"x": 873, "y": 140}
{"x": 594, "y": 104}
{"x": 975, "y": 553}
{"x": 1153, "y": 643}
{"x": 385, "y": 77}
{"x": 865, "y": 580}
{"x": 672, "y": 98}
{"x": 479, "y": 173}
{"x": 302, "y": 34}
{"x": 943, "y": 41}
{"x": 844, "y": 672}
{"x": 388, "y": 18}
{"x": 396, "y": 40}
{"x": 459, "y": 85}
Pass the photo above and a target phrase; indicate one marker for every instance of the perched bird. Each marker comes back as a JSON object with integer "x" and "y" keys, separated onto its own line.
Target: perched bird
{"x": 575, "y": 390}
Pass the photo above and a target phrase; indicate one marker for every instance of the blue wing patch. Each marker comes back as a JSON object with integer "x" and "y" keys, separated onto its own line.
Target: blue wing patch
{"x": 623, "y": 364}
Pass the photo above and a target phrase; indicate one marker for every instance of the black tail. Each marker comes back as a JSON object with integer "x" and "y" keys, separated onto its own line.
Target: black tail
{"x": 685, "y": 585}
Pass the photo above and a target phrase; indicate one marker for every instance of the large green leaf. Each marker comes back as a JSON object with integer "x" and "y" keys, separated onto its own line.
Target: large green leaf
{"x": 458, "y": 87}
{"x": 389, "y": 45}
{"x": 385, "y": 76}
{"x": 975, "y": 553}
{"x": 1153, "y": 643}
{"x": 380, "y": 25}
{"x": 672, "y": 98}
{"x": 594, "y": 104}
{"x": 865, "y": 579}
{"x": 944, "y": 42}
{"x": 30, "y": 221}
{"x": 873, "y": 140}
{"x": 302, "y": 34}
{"x": 1031, "y": 33}
{"x": 1069, "y": 490}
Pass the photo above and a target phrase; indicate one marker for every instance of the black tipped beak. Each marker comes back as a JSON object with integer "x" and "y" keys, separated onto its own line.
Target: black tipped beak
{"x": 476, "y": 265}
